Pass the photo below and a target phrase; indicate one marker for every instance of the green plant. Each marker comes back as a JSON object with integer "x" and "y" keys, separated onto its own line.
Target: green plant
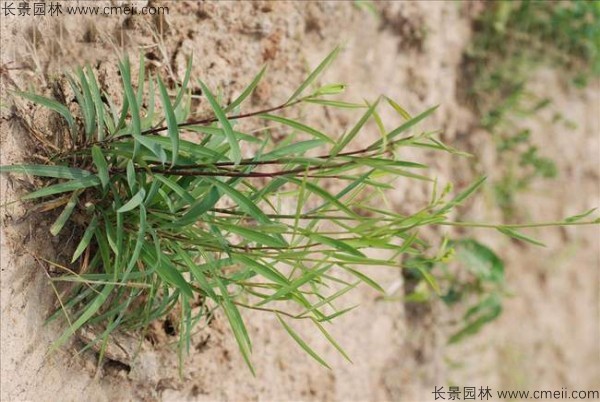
{"x": 468, "y": 276}
{"x": 511, "y": 40}
{"x": 175, "y": 226}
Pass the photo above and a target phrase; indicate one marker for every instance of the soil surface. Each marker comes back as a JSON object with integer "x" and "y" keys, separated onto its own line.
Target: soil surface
{"x": 549, "y": 334}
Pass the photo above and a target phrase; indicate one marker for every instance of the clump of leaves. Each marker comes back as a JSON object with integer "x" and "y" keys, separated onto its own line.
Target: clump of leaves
{"x": 172, "y": 225}
{"x": 512, "y": 39}
{"x": 466, "y": 275}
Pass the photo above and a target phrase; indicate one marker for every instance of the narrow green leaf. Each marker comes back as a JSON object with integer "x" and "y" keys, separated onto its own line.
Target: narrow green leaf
{"x": 381, "y": 127}
{"x": 519, "y": 236}
{"x": 301, "y": 342}
{"x": 317, "y": 71}
{"x": 101, "y": 165}
{"x": 265, "y": 271}
{"x": 273, "y": 228}
{"x": 59, "y": 172}
{"x": 329, "y": 299}
{"x": 139, "y": 243}
{"x": 131, "y": 176}
{"x": 300, "y": 148}
{"x": 233, "y": 143}
{"x": 136, "y": 200}
{"x": 170, "y": 274}
{"x": 197, "y": 210}
{"x": 355, "y": 184}
{"x": 50, "y": 104}
{"x": 216, "y": 131}
{"x": 398, "y": 109}
{"x": 65, "y": 214}
{"x": 243, "y": 202}
{"x": 462, "y": 196}
{"x": 329, "y": 89}
{"x": 394, "y": 133}
{"x": 195, "y": 150}
{"x": 249, "y": 89}
{"x": 332, "y": 341}
{"x": 89, "y": 181}
{"x": 123, "y": 116}
{"x": 336, "y": 104}
{"x": 149, "y": 200}
{"x": 355, "y": 130}
{"x": 570, "y": 219}
{"x": 399, "y": 130}
{"x": 338, "y": 244}
{"x": 112, "y": 117}
{"x": 153, "y": 145}
{"x": 91, "y": 309}
{"x": 99, "y": 105}
{"x": 376, "y": 162}
{"x": 196, "y": 271}
{"x": 90, "y": 110}
{"x": 239, "y": 331}
{"x": 284, "y": 291}
{"x": 184, "y": 84}
{"x": 255, "y": 236}
{"x": 131, "y": 97}
{"x": 298, "y": 126}
{"x": 364, "y": 278}
{"x": 233, "y": 316}
{"x": 103, "y": 246}
{"x": 171, "y": 121}
{"x": 180, "y": 191}
{"x": 85, "y": 239}
{"x": 324, "y": 195}
{"x": 80, "y": 100}
{"x": 336, "y": 314}
{"x": 156, "y": 241}
{"x": 429, "y": 279}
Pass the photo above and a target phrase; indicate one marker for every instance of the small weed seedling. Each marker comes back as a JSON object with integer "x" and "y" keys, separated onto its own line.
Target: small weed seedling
{"x": 174, "y": 226}
{"x": 466, "y": 274}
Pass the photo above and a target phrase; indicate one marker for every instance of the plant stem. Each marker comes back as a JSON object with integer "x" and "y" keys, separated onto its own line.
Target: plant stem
{"x": 447, "y": 223}
{"x": 214, "y": 119}
{"x": 185, "y": 172}
{"x": 270, "y": 310}
{"x": 518, "y": 225}
{"x": 252, "y": 162}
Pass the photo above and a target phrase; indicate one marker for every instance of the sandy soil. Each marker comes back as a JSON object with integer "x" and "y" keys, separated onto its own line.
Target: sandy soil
{"x": 548, "y": 336}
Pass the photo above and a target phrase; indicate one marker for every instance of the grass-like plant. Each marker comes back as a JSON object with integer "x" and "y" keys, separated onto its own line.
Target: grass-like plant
{"x": 179, "y": 226}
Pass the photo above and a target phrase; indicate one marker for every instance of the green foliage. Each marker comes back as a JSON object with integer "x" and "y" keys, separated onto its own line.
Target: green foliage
{"x": 511, "y": 40}
{"x": 176, "y": 222}
{"x": 467, "y": 276}
{"x": 183, "y": 223}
